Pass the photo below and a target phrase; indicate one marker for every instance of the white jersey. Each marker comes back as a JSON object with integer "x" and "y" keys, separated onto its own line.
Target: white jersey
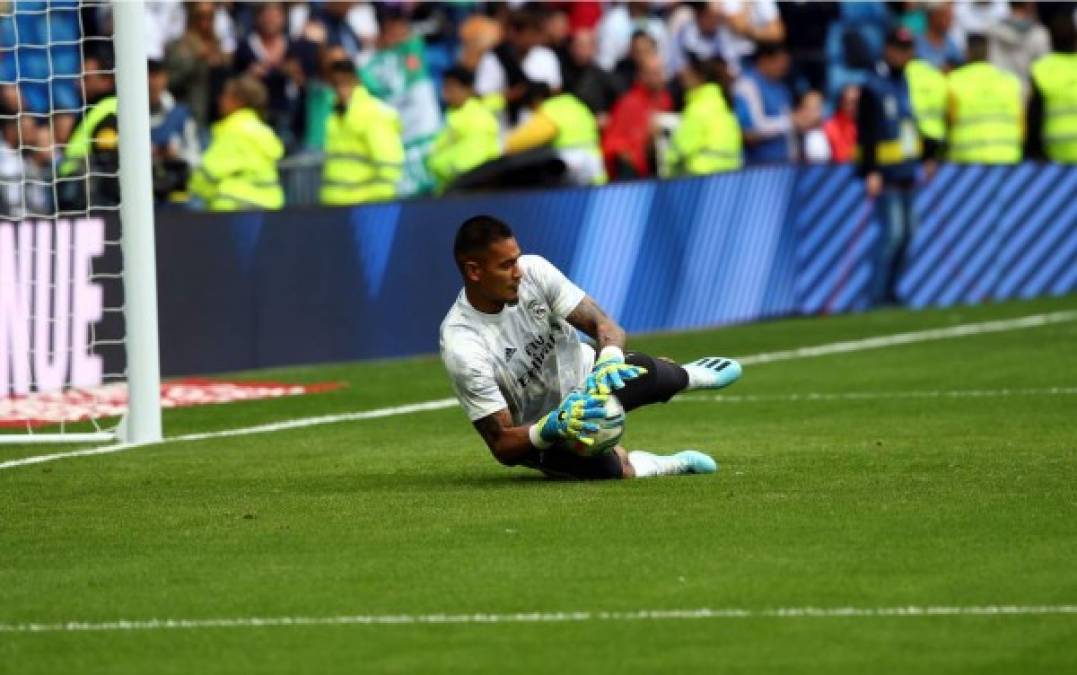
{"x": 526, "y": 357}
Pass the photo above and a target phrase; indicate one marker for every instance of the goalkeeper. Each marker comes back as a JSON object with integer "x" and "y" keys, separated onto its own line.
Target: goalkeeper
{"x": 530, "y": 387}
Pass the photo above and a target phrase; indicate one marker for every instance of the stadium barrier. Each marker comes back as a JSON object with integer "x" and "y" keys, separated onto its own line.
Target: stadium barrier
{"x": 305, "y": 285}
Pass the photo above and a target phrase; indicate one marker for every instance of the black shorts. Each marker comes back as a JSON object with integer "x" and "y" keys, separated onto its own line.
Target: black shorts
{"x": 558, "y": 461}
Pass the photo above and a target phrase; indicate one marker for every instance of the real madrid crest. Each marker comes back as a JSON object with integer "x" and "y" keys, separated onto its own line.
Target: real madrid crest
{"x": 537, "y": 309}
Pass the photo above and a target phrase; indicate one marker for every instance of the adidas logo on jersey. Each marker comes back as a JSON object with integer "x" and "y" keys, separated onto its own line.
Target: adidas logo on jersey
{"x": 509, "y": 351}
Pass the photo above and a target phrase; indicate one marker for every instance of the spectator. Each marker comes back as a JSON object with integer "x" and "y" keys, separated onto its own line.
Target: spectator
{"x": 40, "y": 63}
{"x": 173, "y": 137}
{"x": 565, "y": 124}
{"x": 90, "y": 161}
{"x": 596, "y": 87}
{"x": 197, "y": 64}
{"x": 929, "y": 92}
{"x": 397, "y": 74}
{"x": 12, "y": 166}
{"x": 890, "y": 154}
{"x": 25, "y": 166}
{"x": 807, "y": 25}
{"x": 478, "y": 35}
{"x": 708, "y": 138}
{"x": 321, "y": 97}
{"x": 363, "y": 144}
{"x": 627, "y": 147}
{"x": 164, "y": 21}
{"x": 746, "y": 23}
{"x": 239, "y": 168}
{"x": 985, "y": 110}
{"x": 617, "y": 27}
{"x": 507, "y": 71}
{"x": 813, "y": 146}
{"x": 1017, "y": 41}
{"x": 641, "y": 48}
{"x": 840, "y": 129}
{"x": 351, "y": 25}
{"x": 1052, "y": 109}
{"x": 701, "y": 37}
{"x": 764, "y": 107}
{"x": 267, "y": 54}
{"x": 936, "y": 46}
{"x": 471, "y": 133}
{"x": 977, "y": 16}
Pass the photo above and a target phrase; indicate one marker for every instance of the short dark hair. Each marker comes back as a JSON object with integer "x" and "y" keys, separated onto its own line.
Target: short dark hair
{"x": 476, "y": 234}
{"x": 460, "y": 73}
{"x": 766, "y": 48}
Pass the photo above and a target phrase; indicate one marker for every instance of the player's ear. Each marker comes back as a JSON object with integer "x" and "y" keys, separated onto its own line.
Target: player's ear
{"x": 472, "y": 270}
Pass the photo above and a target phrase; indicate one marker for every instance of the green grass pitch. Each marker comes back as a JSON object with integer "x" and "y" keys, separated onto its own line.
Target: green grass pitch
{"x": 896, "y": 498}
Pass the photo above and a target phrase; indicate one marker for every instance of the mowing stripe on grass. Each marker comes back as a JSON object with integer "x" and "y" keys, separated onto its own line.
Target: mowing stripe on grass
{"x": 873, "y": 395}
{"x": 540, "y": 617}
{"x": 843, "y": 347}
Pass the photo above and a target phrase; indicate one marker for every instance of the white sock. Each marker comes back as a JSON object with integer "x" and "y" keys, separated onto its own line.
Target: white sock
{"x": 699, "y": 377}
{"x": 648, "y": 464}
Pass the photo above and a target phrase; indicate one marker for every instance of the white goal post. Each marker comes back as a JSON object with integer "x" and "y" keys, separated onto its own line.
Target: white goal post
{"x": 142, "y": 421}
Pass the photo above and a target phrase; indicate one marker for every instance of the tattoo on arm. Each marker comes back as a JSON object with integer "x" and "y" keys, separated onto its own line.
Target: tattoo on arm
{"x": 491, "y": 427}
{"x": 590, "y": 318}
{"x": 508, "y": 444}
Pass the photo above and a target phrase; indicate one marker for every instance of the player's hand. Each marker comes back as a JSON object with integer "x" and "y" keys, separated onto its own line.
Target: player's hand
{"x": 611, "y": 372}
{"x": 568, "y": 421}
{"x": 873, "y": 184}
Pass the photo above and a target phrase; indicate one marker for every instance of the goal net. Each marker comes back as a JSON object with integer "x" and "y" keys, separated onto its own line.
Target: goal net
{"x": 78, "y": 339}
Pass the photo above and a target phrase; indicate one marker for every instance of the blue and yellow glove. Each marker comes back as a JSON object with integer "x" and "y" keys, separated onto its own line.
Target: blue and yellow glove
{"x": 568, "y": 421}
{"x": 611, "y": 372}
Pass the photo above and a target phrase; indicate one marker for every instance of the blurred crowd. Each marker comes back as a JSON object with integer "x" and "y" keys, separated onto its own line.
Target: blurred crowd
{"x": 394, "y": 99}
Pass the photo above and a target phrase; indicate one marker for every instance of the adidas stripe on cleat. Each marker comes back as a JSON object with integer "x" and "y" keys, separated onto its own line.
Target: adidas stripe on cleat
{"x": 712, "y": 372}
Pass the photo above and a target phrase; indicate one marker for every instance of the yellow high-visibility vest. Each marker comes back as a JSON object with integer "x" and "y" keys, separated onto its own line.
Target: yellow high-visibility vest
{"x": 708, "y": 139}
{"x": 239, "y": 168}
{"x": 986, "y": 115}
{"x": 1055, "y": 76}
{"x": 470, "y": 138}
{"x": 576, "y": 125}
{"x": 927, "y": 90}
{"x": 364, "y": 152}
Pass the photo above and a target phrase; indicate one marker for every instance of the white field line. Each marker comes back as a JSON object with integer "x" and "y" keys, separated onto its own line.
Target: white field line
{"x": 843, "y": 347}
{"x": 962, "y": 330}
{"x": 244, "y": 431}
{"x": 874, "y": 395}
{"x": 541, "y": 617}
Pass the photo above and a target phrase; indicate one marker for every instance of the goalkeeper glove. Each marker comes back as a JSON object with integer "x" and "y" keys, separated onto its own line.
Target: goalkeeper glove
{"x": 611, "y": 372}
{"x": 568, "y": 421}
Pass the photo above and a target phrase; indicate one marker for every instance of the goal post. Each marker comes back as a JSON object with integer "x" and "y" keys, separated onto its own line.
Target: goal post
{"x": 143, "y": 421}
{"x": 79, "y": 357}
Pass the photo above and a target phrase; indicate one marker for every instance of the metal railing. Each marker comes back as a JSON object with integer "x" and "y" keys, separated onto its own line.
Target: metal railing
{"x": 301, "y": 177}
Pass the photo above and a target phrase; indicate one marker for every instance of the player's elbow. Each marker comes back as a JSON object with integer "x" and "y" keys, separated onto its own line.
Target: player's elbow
{"x": 503, "y": 455}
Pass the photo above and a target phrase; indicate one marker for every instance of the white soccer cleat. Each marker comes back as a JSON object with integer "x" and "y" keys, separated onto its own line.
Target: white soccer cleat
{"x": 694, "y": 461}
{"x": 712, "y": 372}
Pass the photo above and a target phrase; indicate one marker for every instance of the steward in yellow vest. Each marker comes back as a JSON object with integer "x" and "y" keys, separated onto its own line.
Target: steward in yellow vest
{"x": 928, "y": 91}
{"x": 471, "y": 135}
{"x": 566, "y": 124}
{"x": 239, "y": 168}
{"x": 1052, "y": 111}
{"x": 708, "y": 138}
{"x": 364, "y": 150}
{"x": 92, "y": 156}
{"x": 985, "y": 111}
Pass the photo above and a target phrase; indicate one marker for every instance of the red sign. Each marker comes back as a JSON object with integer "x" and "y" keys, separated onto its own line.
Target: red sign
{"x": 110, "y": 400}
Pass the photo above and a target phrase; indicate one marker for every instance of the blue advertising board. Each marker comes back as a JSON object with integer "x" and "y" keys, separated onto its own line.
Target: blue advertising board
{"x": 306, "y": 285}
